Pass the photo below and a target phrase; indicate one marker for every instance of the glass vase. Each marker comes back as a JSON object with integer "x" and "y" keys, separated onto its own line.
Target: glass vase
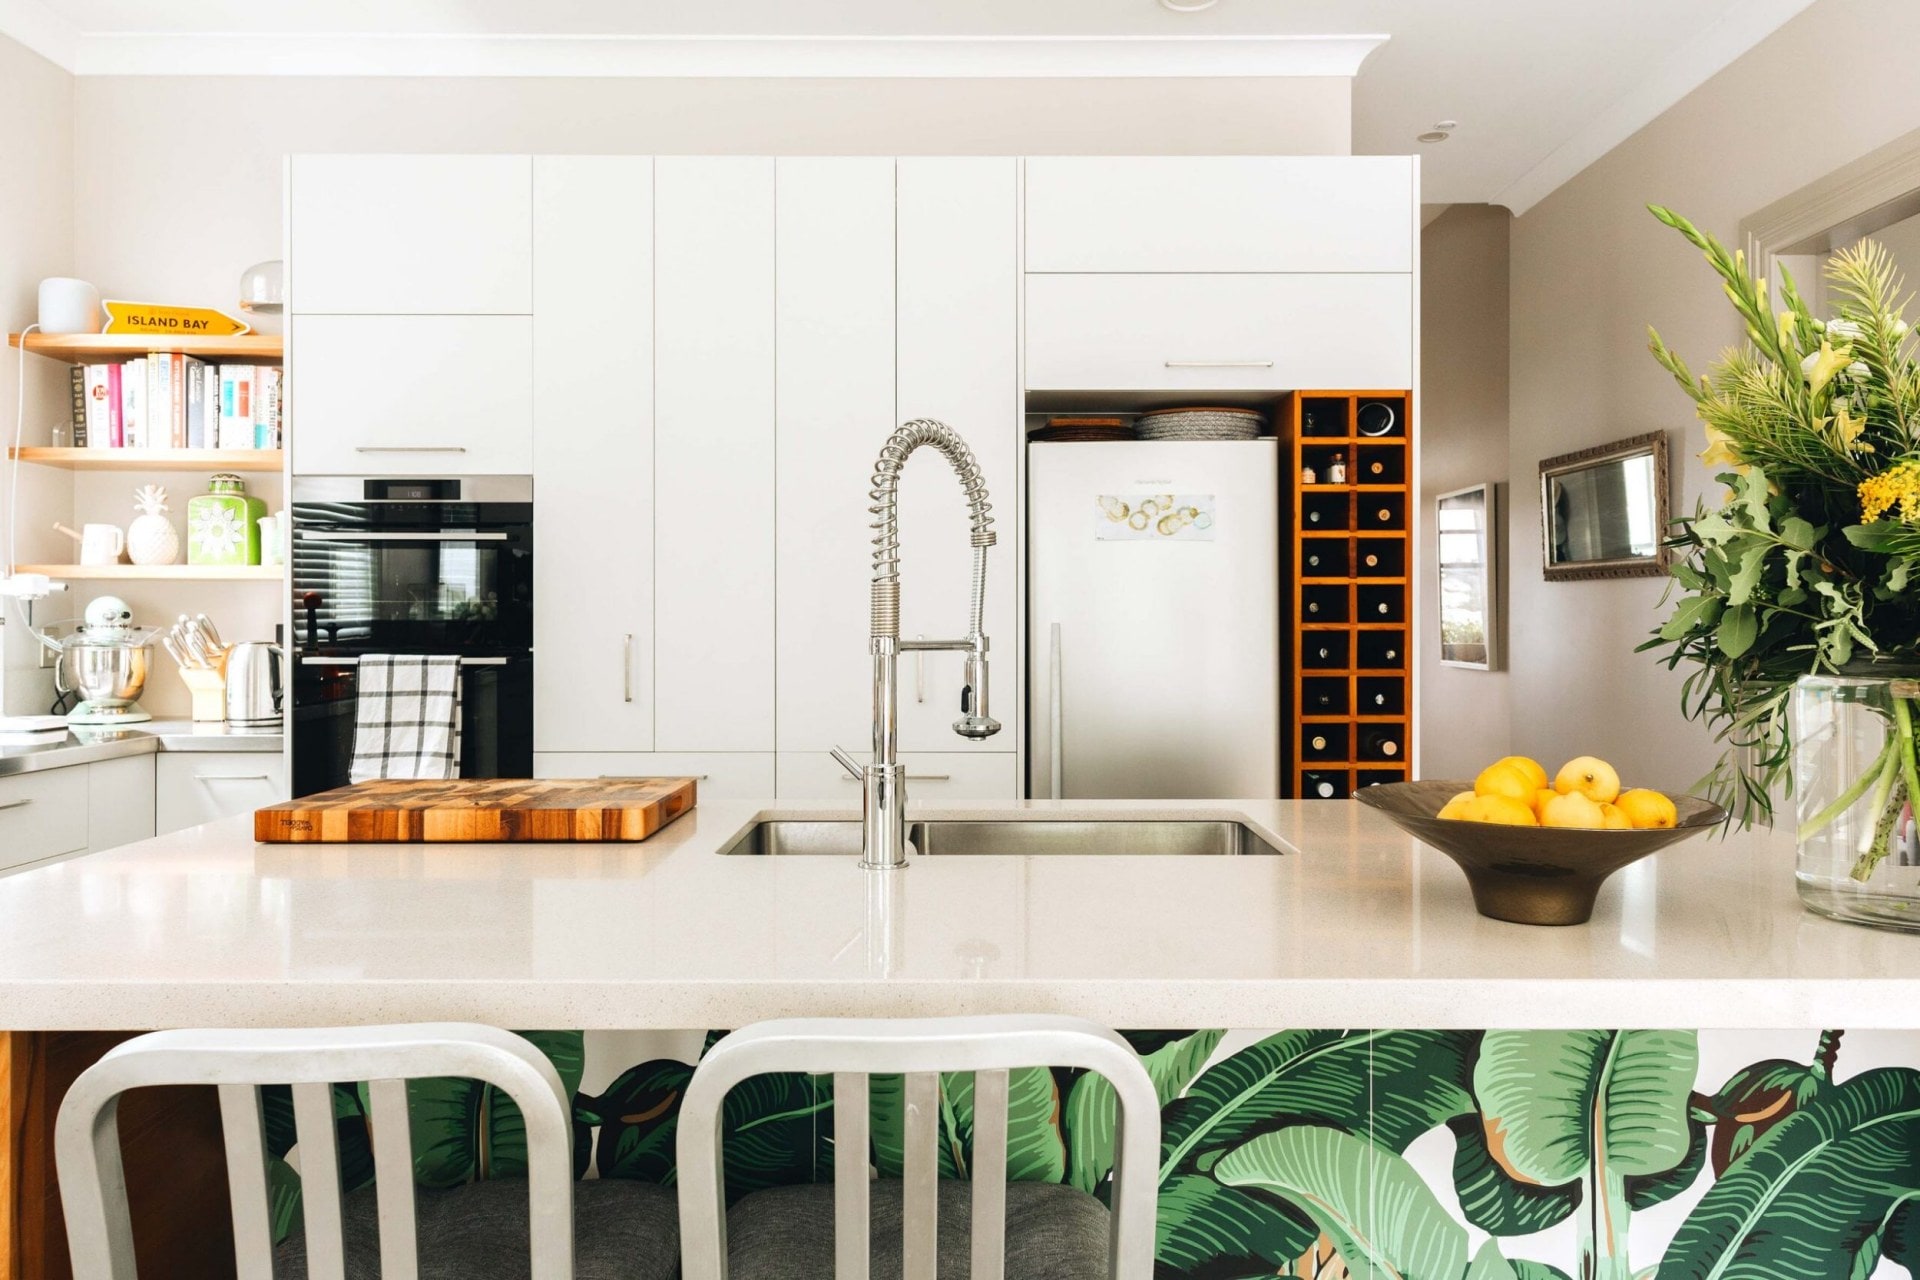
{"x": 1855, "y": 777}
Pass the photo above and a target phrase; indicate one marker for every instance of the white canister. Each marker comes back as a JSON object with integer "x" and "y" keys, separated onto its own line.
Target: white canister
{"x": 68, "y": 306}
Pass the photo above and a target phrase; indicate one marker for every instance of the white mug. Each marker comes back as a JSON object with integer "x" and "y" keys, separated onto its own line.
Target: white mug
{"x": 101, "y": 543}
{"x": 68, "y": 306}
{"x": 273, "y": 547}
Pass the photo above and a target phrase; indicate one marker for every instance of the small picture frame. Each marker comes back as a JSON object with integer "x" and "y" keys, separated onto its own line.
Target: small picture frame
{"x": 1465, "y": 522}
{"x": 1604, "y": 511}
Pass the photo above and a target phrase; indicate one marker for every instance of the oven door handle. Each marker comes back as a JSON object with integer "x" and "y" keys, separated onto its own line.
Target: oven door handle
{"x": 351, "y": 661}
{"x": 440, "y": 535}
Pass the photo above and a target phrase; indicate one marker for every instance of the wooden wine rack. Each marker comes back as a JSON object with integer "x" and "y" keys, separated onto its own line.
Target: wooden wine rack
{"x": 1349, "y": 674}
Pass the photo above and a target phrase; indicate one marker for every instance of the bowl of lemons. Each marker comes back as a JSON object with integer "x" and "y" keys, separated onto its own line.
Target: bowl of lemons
{"x": 1535, "y": 848}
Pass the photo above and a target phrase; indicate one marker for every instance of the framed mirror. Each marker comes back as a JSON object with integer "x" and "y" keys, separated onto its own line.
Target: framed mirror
{"x": 1469, "y": 630}
{"x": 1603, "y": 511}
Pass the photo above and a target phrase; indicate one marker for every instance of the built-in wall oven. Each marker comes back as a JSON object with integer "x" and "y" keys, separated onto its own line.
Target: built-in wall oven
{"x": 442, "y": 565}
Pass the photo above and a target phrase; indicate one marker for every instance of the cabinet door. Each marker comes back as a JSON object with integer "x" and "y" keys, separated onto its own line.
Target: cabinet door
{"x": 1218, "y": 332}
{"x": 958, "y": 346}
{"x": 120, "y": 802}
{"x": 932, "y": 776}
{"x": 192, "y": 787}
{"x": 416, "y": 235}
{"x": 413, "y": 395}
{"x": 593, "y": 454}
{"x": 1221, "y": 213}
{"x": 721, "y": 775}
{"x": 714, "y": 453}
{"x": 834, "y": 402}
{"x": 42, "y": 815}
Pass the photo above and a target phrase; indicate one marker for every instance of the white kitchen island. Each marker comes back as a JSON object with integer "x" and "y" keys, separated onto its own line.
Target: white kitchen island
{"x": 1353, "y": 925}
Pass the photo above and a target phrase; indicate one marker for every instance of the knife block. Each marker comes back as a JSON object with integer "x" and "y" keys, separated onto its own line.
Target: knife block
{"x": 208, "y": 685}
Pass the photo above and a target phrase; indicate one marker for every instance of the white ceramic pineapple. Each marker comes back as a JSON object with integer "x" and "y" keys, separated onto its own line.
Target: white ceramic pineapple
{"x": 151, "y": 538}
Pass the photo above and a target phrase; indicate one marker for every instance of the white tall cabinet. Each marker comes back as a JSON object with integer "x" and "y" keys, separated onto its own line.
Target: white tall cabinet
{"x": 593, "y": 453}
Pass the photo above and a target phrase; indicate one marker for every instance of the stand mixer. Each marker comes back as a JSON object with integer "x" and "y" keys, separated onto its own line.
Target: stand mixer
{"x": 105, "y": 661}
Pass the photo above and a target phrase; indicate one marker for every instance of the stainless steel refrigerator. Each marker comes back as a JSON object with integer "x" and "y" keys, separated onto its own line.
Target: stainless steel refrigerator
{"x": 1153, "y": 619}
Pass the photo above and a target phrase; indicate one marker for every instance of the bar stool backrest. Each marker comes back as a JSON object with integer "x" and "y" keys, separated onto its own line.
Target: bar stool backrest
{"x": 851, "y": 1050}
{"x": 93, "y": 1184}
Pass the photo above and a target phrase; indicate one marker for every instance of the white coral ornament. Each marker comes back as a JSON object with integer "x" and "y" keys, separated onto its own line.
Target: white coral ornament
{"x": 151, "y": 538}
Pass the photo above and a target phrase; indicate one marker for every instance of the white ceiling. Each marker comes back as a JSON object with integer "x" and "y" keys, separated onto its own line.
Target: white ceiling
{"x": 1541, "y": 88}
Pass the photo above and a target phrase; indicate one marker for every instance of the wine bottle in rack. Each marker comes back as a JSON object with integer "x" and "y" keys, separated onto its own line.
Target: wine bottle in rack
{"x": 1380, "y": 742}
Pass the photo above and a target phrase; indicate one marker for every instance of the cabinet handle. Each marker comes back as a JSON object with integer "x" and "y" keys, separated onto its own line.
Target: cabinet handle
{"x": 626, "y": 665}
{"x": 1219, "y": 364}
{"x": 409, "y": 448}
{"x": 350, "y": 660}
{"x": 1055, "y": 750}
{"x": 17, "y": 804}
{"x": 379, "y": 535}
{"x": 920, "y": 672}
{"x": 230, "y": 777}
{"x": 914, "y": 777}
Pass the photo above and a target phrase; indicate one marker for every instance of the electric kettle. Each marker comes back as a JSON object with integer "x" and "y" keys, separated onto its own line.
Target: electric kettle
{"x": 254, "y": 686}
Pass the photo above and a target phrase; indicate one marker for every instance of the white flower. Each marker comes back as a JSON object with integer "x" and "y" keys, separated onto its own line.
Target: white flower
{"x": 1844, "y": 330}
{"x": 1858, "y": 371}
{"x": 218, "y": 532}
{"x": 1899, "y": 328}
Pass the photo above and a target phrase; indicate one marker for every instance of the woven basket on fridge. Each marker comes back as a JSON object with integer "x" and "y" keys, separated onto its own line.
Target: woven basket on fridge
{"x": 1199, "y": 424}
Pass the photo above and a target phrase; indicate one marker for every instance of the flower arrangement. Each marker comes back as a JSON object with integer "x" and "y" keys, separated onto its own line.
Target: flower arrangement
{"x": 1809, "y": 565}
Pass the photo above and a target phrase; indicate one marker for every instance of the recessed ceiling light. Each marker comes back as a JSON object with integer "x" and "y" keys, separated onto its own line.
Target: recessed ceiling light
{"x": 1448, "y": 125}
{"x": 1433, "y": 135}
{"x": 1187, "y": 6}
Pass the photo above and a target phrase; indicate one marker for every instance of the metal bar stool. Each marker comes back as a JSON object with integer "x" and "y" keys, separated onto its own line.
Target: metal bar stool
{"x": 1046, "y": 1232}
{"x": 483, "y": 1229}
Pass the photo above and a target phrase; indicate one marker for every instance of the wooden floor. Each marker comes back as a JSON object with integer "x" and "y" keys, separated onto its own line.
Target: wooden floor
{"x": 170, "y": 1140}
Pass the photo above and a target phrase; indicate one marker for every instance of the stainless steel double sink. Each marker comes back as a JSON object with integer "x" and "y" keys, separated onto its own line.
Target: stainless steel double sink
{"x": 1186, "y": 838}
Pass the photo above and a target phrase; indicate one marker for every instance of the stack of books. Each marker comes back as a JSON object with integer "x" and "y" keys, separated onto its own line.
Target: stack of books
{"x": 171, "y": 401}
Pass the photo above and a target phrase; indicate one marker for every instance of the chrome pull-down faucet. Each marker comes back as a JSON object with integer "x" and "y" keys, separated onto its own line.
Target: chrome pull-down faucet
{"x": 883, "y": 782}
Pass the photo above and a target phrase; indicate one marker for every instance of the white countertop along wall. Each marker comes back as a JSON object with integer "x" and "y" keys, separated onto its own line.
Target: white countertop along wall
{"x": 1356, "y": 925}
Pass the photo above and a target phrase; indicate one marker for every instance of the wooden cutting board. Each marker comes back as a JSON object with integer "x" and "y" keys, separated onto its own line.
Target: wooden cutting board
{"x": 478, "y": 810}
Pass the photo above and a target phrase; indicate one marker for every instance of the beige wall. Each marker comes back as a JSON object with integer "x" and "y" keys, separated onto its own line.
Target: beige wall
{"x": 36, "y": 240}
{"x": 1590, "y": 270}
{"x": 1463, "y": 721}
{"x": 162, "y": 211}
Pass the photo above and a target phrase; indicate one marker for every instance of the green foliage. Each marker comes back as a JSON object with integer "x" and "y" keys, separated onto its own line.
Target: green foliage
{"x": 1036, "y": 1143}
{"x": 1784, "y": 580}
{"x": 466, "y": 1131}
{"x": 1092, "y": 1108}
{"x": 639, "y": 1116}
{"x": 1814, "y": 1195}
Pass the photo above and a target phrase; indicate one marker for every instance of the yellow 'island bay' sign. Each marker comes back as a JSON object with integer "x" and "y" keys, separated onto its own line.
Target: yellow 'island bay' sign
{"x": 171, "y": 322}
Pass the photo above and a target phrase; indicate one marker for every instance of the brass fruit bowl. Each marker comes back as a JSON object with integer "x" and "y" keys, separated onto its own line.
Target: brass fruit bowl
{"x": 1530, "y": 875}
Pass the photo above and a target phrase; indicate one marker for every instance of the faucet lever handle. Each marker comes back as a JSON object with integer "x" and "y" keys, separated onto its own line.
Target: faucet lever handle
{"x": 848, "y": 763}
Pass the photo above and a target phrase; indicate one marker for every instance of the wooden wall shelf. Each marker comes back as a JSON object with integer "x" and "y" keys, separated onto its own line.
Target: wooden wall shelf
{"x": 106, "y": 348}
{"x": 158, "y": 572}
{"x": 1349, "y": 674}
{"x": 207, "y": 460}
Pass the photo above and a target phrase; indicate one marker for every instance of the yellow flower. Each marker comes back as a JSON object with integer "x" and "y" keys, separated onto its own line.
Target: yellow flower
{"x": 1789, "y": 329}
{"x": 1820, "y": 366}
{"x": 1719, "y": 450}
{"x": 1898, "y": 487}
{"x": 1848, "y": 428}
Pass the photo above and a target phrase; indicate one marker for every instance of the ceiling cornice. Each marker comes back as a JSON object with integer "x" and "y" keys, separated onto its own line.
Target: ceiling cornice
{"x": 40, "y": 29}
{"x": 1685, "y": 69}
{"x": 813, "y": 57}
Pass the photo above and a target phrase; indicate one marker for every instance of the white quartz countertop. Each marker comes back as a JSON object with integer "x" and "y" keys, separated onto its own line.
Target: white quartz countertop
{"x": 85, "y": 744}
{"x": 1355, "y": 925}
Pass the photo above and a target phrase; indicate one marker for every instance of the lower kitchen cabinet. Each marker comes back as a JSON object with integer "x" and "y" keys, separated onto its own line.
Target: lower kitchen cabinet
{"x": 192, "y": 787}
{"x": 42, "y": 815}
{"x": 119, "y": 802}
{"x": 931, "y": 776}
{"x": 722, "y": 775}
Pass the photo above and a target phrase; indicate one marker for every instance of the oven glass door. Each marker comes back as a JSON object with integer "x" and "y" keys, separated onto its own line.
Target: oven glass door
{"x": 405, "y": 578}
{"x": 496, "y": 720}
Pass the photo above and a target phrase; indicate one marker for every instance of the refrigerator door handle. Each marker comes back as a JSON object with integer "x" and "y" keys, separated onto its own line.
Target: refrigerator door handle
{"x": 1054, "y": 751}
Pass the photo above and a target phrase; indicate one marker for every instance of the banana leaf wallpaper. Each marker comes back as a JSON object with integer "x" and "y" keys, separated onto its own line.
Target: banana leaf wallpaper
{"x": 1378, "y": 1155}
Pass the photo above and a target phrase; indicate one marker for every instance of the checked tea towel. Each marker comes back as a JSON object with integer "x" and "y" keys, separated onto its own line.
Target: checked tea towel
{"x": 405, "y": 725}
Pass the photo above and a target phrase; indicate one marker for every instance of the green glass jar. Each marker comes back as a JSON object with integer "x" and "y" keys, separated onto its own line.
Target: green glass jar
{"x": 223, "y": 524}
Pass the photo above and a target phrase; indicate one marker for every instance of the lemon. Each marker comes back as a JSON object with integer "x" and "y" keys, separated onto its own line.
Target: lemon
{"x": 1645, "y": 808}
{"x": 1459, "y": 809}
{"x": 1591, "y": 777}
{"x": 1535, "y": 774}
{"x": 1616, "y": 818}
{"x": 1506, "y": 810}
{"x": 1464, "y": 795}
{"x": 1504, "y": 779}
{"x": 1572, "y": 809}
{"x": 1541, "y": 797}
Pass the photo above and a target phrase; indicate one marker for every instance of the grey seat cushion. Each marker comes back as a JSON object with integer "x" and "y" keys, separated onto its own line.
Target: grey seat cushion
{"x": 622, "y": 1230}
{"x": 1054, "y": 1232}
